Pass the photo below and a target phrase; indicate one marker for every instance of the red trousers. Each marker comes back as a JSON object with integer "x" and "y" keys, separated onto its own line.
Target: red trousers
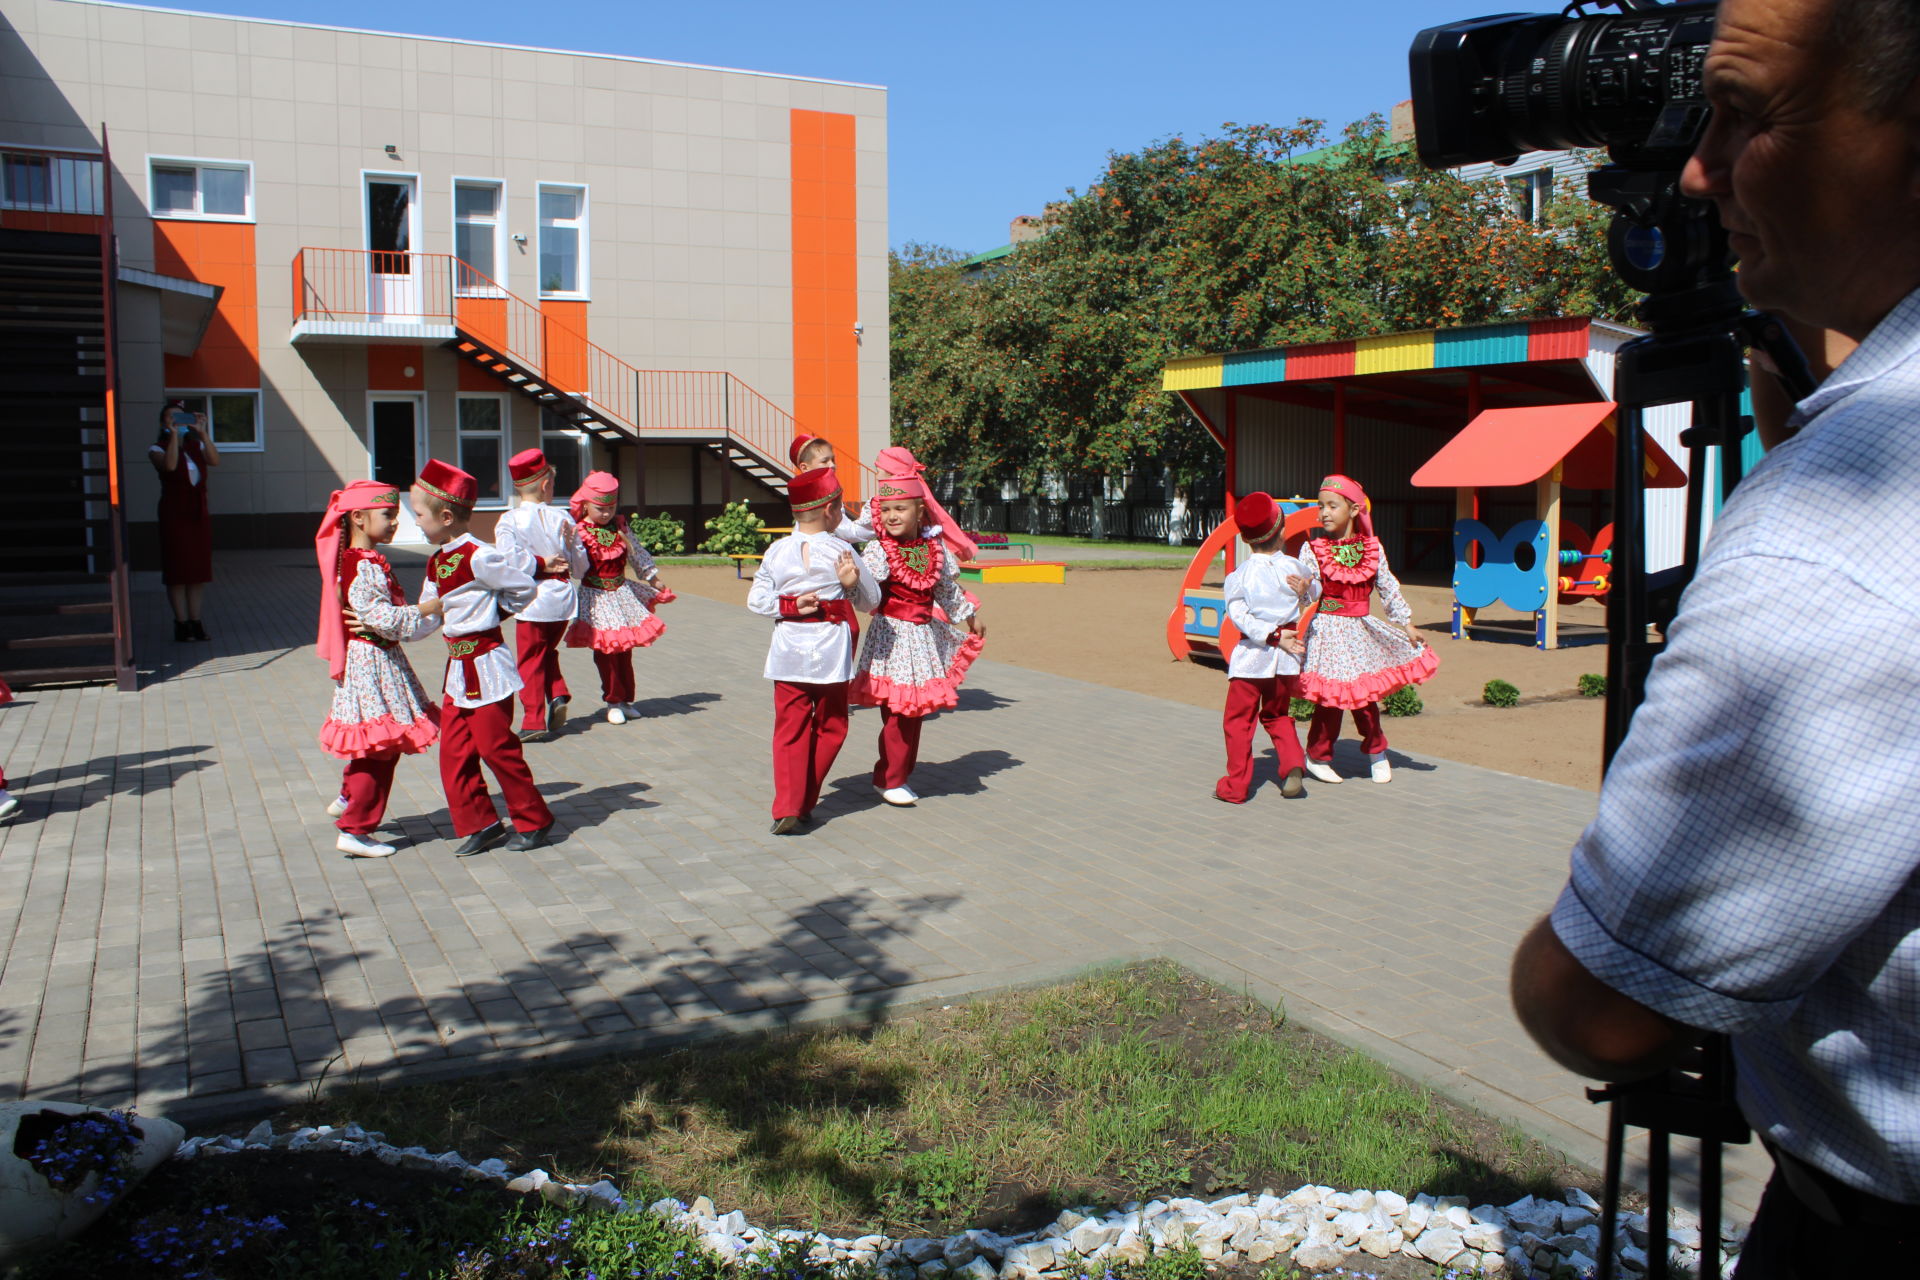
{"x": 538, "y": 644}
{"x": 1265, "y": 700}
{"x": 616, "y": 675}
{"x": 809, "y": 724}
{"x": 1325, "y": 731}
{"x": 366, "y": 783}
{"x": 899, "y": 748}
{"x": 470, "y": 735}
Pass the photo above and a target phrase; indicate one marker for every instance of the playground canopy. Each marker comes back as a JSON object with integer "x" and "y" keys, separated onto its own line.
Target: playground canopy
{"x": 1502, "y": 448}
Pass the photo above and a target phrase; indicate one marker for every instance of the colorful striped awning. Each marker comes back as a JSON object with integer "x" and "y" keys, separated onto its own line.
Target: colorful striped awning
{"x": 1515, "y": 343}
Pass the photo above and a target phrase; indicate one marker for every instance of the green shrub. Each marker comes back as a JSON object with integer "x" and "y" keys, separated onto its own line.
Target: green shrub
{"x": 1301, "y": 709}
{"x": 661, "y": 534}
{"x": 1498, "y": 693}
{"x": 1404, "y": 701}
{"x": 736, "y": 532}
{"x": 1593, "y": 686}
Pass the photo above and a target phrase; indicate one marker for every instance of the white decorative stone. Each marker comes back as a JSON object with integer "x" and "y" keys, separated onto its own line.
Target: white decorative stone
{"x": 1350, "y": 1223}
{"x": 1130, "y": 1247}
{"x": 1091, "y": 1235}
{"x": 531, "y": 1180}
{"x": 1025, "y": 1261}
{"x": 1262, "y": 1251}
{"x": 1392, "y": 1202}
{"x": 1581, "y": 1200}
{"x": 703, "y": 1209}
{"x": 1376, "y": 1242}
{"x": 1582, "y": 1265}
{"x": 931, "y": 1270}
{"x": 1456, "y": 1216}
{"x": 1318, "y": 1256}
{"x": 1493, "y": 1264}
{"x": 957, "y": 1252}
{"x": 1439, "y": 1244}
{"x": 919, "y": 1250}
{"x": 978, "y": 1269}
{"x": 608, "y": 1194}
{"x": 559, "y": 1193}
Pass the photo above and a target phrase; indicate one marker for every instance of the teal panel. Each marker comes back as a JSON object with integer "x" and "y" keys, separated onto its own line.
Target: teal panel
{"x": 1487, "y": 344}
{"x": 1250, "y": 368}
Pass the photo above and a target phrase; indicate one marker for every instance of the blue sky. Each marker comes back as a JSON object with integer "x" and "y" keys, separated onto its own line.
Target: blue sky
{"x": 994, "y": 109}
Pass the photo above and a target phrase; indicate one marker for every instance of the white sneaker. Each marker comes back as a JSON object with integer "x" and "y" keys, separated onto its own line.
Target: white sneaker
{"x": 1382, "y": 771}
{"x": 615, "y": 715}
{"x": 1323, "y": 771}
{"x": 902, "y": 796}
{"x": 9, "y": 806}
{"x": 338, "y": 807}
{"x": 633, "y": 710}
{"x": 361, "y": 847}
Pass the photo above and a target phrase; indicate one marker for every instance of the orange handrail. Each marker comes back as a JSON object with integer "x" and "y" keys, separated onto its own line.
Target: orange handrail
{"x": 337, "y": 284}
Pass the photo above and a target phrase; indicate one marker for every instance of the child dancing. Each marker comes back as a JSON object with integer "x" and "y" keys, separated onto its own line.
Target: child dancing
{"x": 809, "y": 583}
{"x": 478, "y": 586}
{"x": 614, "y": 618}
{"x": 550, "y": 549}
{"x": 1354, "y": 659}
{"x": 1263, "y": 668}
{"x": 912, "y": 663}
{"x": 9, "y": 804}
{"x": 379, "y": 711}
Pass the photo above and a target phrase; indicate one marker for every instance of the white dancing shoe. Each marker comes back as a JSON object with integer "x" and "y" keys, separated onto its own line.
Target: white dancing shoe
{"x": 9, "y": 806}
{"x": 362, "y": 847}
{"x": 1323, "y": 771}
{"x": 633, "y": 710}
{"x": 338, "y": 807}
{"x": 615, "y": 714}
{"x": 1381, "y": 770}
{"x": 902, "y": 796}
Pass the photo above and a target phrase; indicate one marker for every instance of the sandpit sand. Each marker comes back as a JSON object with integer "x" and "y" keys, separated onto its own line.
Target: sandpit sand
{"x": 1108, "y": 626}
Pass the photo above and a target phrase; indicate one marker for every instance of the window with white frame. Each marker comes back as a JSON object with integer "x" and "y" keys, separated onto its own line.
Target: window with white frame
{"x": 233, "y": 417}
{"x": 566, "y": 450}
{"x": 563, "y": 241}
{"x": 1530, "y": 194}
{"x": 477, "y": 233}
{"x": 220, "y": 190}
{"x": 483, "y": 445}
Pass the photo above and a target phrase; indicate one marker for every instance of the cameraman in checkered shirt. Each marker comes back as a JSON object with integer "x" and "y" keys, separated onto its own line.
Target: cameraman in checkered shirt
{"x": 1754, "y": 867}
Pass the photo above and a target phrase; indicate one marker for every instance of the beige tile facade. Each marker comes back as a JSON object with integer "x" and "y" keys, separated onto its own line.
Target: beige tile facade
{"x": 687, "y": 171}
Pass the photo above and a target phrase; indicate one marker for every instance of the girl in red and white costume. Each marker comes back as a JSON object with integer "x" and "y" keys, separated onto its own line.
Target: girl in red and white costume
{"x": 614, "y": 619}
{"x": 1354, "y": 659}
{"x": 9, "y": 805}
{"x": 911, "y": 663}
{"x": 380, "y": 712}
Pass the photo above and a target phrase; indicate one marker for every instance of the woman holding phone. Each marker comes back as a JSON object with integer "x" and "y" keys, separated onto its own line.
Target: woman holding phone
{"x": 182, "y": 455}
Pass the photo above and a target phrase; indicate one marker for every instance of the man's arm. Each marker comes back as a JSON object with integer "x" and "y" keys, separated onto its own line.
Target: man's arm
{"x": 1582, "y": 1023}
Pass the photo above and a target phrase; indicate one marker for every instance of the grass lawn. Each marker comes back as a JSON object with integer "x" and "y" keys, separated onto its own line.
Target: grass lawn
{"x": 995, "y": 1113}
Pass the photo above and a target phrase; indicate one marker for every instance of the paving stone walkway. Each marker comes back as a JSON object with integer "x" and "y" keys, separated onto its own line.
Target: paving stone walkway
{"x": 178, "y": 928}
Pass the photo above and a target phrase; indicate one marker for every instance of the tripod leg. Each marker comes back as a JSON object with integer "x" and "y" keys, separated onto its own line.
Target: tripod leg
{"x": 1659, "y": 1191}
{"x": 1610, "y": 1191}
{"x": 1710, "y": 1152}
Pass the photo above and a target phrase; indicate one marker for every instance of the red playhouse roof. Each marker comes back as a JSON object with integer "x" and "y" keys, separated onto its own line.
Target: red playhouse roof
{"x": 1505, "y": 447}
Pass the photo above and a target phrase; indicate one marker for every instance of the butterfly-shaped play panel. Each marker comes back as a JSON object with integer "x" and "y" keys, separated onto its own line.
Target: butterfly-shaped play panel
{"x": 1512, "y": 569}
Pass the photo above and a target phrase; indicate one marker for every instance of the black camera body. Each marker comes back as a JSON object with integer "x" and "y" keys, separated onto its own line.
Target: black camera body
{"x": 1492, "y": 88}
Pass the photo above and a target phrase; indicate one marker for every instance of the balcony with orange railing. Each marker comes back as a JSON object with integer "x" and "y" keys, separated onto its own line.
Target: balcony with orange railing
{"x": 345, "y": 295}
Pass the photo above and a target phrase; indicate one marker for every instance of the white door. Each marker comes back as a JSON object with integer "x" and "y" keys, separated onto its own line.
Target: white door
{"x": 393, "y": 236}
{"x": 396, "y": 442}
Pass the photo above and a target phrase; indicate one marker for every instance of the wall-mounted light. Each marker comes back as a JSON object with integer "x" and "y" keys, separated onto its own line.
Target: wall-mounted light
{"x": 520, "y": 238}
{"x": 393, "y": 151}
{"x": 858, "y": 328}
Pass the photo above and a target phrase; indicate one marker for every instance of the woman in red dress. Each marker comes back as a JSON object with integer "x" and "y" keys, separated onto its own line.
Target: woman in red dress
{"x": 182, "y": 455}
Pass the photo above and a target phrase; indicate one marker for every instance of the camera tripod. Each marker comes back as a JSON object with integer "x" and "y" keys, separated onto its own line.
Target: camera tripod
{"x": 1674, "y": 248}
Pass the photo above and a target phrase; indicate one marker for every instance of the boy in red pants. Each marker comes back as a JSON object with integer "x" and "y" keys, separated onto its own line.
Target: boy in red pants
{"x": 1264, "y": 666}
{"x": 810, "y": 583}
{"x": 547, "y": 545}
{"x": 474, "y": 580}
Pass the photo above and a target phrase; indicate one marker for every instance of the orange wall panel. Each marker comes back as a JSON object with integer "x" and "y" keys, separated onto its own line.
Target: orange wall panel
{"x": 566, "y": 343}
{"x": 219, "y": 253}
{"x": 387, "y": 367}
{"x": 826, "y": 288}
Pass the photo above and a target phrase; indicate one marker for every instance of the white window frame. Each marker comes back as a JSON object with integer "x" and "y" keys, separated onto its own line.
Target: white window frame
{"x": 575, "y": 438}
{"x": 259, "y": 442}
{"x": 198, "y": 163}
{"x": 500, "y": 261}
{"x": 460, "y": 434}
{"x": 1539, "y": 193}
{"x": 585, "y": 291}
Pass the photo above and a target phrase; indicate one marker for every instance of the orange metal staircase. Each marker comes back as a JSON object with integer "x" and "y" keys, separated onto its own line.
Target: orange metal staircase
{"x": 354, "y": 294}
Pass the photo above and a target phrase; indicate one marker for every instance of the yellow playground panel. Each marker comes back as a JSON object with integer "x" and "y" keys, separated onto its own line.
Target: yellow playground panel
{"x": 1053, "y": 571}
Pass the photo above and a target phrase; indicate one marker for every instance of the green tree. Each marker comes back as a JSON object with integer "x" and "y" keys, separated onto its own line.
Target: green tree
{"x": 1051, "y": 359}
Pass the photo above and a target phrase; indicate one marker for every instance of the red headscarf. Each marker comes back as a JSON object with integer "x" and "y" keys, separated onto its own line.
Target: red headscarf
{"x": 361, "y": 495}
{"x": 1349, "y": 488}
{"x": 899, "y": 469}
{"x": 599, "y": 486}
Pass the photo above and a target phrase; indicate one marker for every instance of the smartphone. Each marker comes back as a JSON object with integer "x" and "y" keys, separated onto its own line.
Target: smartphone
{"x": 182, "y": 418}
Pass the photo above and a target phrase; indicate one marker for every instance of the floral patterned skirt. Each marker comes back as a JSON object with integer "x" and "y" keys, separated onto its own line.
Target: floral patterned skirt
{"x": 379, "y": 708}
{"x": 1352, "y": 662}
{"x": 912, "y": 668}
{"x": 615, "y": 621}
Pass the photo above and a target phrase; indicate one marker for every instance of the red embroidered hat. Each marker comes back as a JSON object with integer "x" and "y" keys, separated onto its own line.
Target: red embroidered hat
{"x": 798, "y": 447}
{"x": 449, "y": 483}
{"x": 811, "y": 490}
{"x": 527, "y": 466}
{"x": 1258, "y": 515}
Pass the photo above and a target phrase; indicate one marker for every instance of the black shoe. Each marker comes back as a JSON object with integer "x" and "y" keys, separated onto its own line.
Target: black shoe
{"x": 199, "y": 632}
{"x": 785, "y": 826}
{"x": 481, "y": 841}
{"x": 535, "y": 735}
{"x": 522, "y": 841}
{"x": 182, "y": 632}
{"x": 556, "y": 713}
